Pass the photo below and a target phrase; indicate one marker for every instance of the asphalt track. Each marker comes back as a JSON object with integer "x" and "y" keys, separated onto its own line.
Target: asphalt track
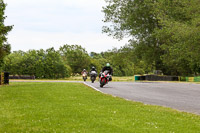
{"x": 180, "y": 96}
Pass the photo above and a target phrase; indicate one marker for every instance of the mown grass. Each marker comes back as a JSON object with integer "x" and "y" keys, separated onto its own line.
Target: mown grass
{"x": 79, "y": 78}
{"x": 124, "y": 78}
{"x": 74, "y": 107}
{"x": 115, "y": 78}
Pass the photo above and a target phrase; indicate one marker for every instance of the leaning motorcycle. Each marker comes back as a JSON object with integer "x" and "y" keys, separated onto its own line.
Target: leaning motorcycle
{"x": 84, "y": 75}
{"x": 104, "y": 78}
{"x": 93, "y": 75}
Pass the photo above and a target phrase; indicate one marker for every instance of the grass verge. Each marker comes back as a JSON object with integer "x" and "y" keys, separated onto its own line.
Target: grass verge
{"x": 79, "y": 78}
{"x": 115, "y": 78}
{"x": 74, "y": 107}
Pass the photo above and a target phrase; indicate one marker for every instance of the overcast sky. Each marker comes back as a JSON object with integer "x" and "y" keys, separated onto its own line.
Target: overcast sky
{"x": 41, "y": 24}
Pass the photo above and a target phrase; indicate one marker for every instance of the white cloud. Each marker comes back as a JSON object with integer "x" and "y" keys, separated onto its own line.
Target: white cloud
{"x": 49, "y": 23}
{"x": 95, "y": 42}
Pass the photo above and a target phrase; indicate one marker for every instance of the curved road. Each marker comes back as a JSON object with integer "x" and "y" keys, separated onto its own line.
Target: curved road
{"x": 180, "y": 96}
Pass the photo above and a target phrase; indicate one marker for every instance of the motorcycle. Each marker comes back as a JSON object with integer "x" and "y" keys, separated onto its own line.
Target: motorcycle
{"x": 84, "y": 75}
{"x": 104, "y": 78}
{"x": 93, "y": 75}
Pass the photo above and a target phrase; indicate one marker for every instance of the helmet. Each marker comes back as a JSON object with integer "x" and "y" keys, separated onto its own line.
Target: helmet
{"x": 93, "y": 67}
{"x": 108, "y": 64}
{"x": 84, "y": 70}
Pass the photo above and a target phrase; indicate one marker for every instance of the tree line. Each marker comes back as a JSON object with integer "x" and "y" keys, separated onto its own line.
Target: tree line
{"x": 165, "y": 35}
{"x": 68, "y": 60}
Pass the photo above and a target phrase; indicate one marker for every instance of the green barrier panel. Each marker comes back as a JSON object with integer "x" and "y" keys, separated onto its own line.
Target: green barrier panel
{"x": 193, "y": 79}
{"x": 190, "y": 79}
{"x": 186, "y": 79}
{"x": 197, "y": 79}
{"x": 136, "y": 77}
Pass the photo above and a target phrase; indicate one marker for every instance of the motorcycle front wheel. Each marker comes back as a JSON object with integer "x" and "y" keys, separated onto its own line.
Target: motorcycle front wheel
{"x": 102, "y": 83}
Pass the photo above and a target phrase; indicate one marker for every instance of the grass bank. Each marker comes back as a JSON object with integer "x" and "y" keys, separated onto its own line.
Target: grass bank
{"x": 115, "y": 78}
{"x": 74, "y": 107}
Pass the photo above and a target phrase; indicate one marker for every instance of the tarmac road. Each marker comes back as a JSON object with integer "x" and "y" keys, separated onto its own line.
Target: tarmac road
{"x": 180, "y": 96}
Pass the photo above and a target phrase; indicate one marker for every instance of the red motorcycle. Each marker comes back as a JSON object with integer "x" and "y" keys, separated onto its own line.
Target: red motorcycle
{"x": 104, "y": 78}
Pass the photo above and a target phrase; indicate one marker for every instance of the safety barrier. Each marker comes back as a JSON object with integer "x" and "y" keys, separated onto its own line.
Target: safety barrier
{"x": 165, "y": 78}
{"x": 155, "y": 78}
{"x": 4, "y": 78}
{"x": 197, "y": 79}
{"x": 21, "y": 77}
{"x": 192, "y": 79}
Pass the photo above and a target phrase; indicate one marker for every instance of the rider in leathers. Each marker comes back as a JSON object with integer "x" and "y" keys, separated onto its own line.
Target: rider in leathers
{"x": 84, "y": 71}
{"x": 93, "y": 69}
{"x": 109, "y": 69}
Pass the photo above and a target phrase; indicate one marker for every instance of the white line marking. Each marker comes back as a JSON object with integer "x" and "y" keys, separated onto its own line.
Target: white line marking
{"x": 93, "y": 87}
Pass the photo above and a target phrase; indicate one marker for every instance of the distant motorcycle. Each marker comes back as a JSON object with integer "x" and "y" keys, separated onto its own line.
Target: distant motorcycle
{"x": 104, "y": 78}
{"x": 84, "y": 75}
{"x": 93, "y": 75}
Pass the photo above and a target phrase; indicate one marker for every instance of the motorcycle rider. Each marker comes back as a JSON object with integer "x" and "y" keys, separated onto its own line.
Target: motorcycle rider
{"x": 93, "y": 74}
{"x": 84, "y": 71}
{"x": 93, "y": 69}
{"x": 109, "y": 69}
{"x": 84, "y": 74}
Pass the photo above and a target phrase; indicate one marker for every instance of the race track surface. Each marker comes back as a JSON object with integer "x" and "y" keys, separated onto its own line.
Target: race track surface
{"x": 180, "y": 96}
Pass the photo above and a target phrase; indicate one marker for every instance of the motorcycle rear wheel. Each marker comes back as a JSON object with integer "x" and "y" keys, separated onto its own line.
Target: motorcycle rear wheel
{"x": 92, "y": 79}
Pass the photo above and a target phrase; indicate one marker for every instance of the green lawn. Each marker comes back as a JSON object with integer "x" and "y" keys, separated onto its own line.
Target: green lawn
{"x": 74, "y": 107}
{"x": 115, "y": 78}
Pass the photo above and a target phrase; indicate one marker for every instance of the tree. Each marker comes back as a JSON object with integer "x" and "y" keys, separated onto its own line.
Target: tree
{"x": 13, "y": 63}
{"x": 76, "y": 57}
{"x": 120, "y": 60}
{"x": 40, "y": 63}
{"x": 4, "y": 46}
{"x": 136, "y": 19}
{"x": 165, "y": 33}
{"x": 180, "y": 35}
{"x": 54, "y": 65}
